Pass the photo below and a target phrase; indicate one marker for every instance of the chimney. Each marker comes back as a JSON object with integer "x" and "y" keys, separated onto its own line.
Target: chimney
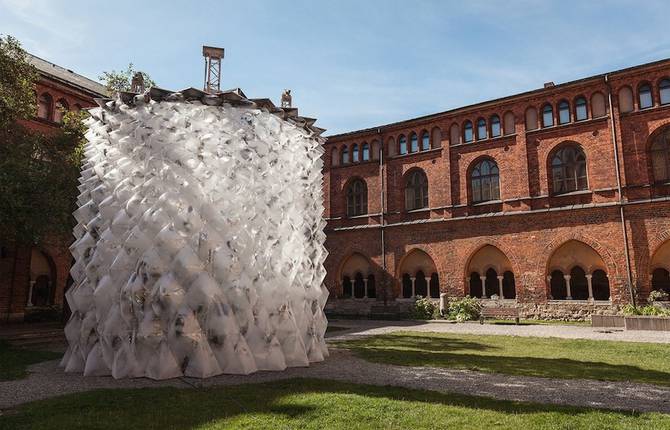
{"x": 548, "y": 84}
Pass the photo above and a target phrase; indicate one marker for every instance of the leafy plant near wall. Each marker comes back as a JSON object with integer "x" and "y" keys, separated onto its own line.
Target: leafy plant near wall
{"x": 121, "y": 80}
{"x": 648, "y": 310}
{"x": 465, "y": 309}
{"x": 658, "y": 296}
{"x": 424, "y": 309}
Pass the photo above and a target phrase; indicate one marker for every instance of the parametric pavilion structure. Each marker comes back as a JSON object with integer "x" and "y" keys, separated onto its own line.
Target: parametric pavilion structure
{"x": 199, "y": 243}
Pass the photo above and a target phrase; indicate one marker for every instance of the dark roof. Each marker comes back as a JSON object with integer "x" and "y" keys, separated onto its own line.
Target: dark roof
{"x": 67, "y": 76}
{"x": 495, "y": 101}
{"x": 233, "y": 97}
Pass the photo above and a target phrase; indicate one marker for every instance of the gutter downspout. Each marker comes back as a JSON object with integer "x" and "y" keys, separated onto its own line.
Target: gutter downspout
{"x": 619, "y": 190}
{"x": 381, "y": 218}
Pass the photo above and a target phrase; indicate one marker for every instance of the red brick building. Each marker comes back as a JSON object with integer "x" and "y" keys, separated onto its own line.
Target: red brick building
{"x": 34, "y": 278}
{"x": 556, "y": 200}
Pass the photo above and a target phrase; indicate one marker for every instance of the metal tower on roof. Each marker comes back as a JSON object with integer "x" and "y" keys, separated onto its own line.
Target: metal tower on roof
{"x": 213, "y": 57}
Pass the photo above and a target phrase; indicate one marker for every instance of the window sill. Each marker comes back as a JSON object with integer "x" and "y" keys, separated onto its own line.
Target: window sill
{"x": 360, "y": 216}
{"x": 487, "y": 202}
{"x": 409, "y": 154}
{"x": 420, "y": 210}
{"x": 566, "y": 125}
{"x": 487, "y": 140}
{"x": 359, "y": 163}
{"x": 572, "y": 193}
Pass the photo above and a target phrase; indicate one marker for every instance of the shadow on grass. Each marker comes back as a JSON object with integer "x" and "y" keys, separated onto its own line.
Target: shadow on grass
{"x": 449, "y": 352}
{"x": 298, "y": 403}
{"x": 15, "y": 361}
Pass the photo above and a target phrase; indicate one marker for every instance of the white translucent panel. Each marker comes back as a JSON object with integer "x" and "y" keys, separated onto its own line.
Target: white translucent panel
{"x": 199, "y": 244}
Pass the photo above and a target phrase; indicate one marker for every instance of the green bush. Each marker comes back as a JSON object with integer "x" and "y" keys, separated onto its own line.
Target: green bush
{"x": 424, "y": 309}
{"x": 658, "y": 296}
{"x": 645, "y": 310}
{"x": 465, "y": 309}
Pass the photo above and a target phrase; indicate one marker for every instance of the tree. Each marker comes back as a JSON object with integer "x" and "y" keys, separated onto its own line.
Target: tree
{"x": 38, "y": 173}
{"x": 17, "y": 82}
{"x": 120, "y": 81}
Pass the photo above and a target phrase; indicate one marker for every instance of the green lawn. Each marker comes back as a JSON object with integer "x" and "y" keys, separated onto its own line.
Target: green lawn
{"x": 307, "y": 404}
{"x": 531, "y": 356}
{"x": 14, "y": 361}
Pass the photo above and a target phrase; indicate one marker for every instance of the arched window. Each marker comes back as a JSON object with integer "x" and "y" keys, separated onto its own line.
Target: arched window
{"x": 531, "y": 118}
{"x": 509, "y": 122}
{"x": 644, "y": 94}
{"x": 354, "y": 154}
{"x": 485, "y": 181}
{"x": 664, "y": 91}
{"x": 366, "y": 152}
{"x": 44, "y": 106}
{"x": 475, "y": 285}
{"x": 598, "y": 106}
{"x": 579, "y": 289}
{"x": 425, "y": 141}
{"x": 495, "y": 126}
{"x": 563, "y": 112}
{"x": 600, "y": 285}
{"x": 467, "y": 132}
{"x": 402, "y": 143}
{"x": 61, "y": 108}
{"x": 413, "y": 143}
{"x": 558, "y": 286}
{"x": 581, "y": 111}
{"x": 406, "y": 286}
{"x": 509, "y": 286}
{"x": 547, "y": 116}
{"x": 347, "y": 287}
{"x": 391, "y": 147}
{"x": 625, "y": 100}
{"x": 434, "y": 286}
{"x": 491, "y": 283}
{"x": 334, "y": 157}
{"x": 357, "y": 198}
{"x": 437, "y": 137}
{"x": 481, "y": 129}
{"x": 660, "y": 156}
{"x": 568, "y": 168}
{"x": 454, "y": 135}
{"x": 416, "y": 190}
{"x": 345, "y": 155}
{"x": 420, "y": 284}
{"x": 359, "y": 286}
{"x": 372, "y": 291}
{"x": 375, "y": 150}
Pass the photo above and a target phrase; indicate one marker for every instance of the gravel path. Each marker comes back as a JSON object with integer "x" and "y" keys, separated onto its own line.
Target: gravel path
{"x": 47, "y": 380}
{"x": 369, "y": 327}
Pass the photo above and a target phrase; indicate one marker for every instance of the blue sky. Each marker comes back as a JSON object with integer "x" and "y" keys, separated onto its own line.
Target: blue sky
{"x": 351, "y": 64}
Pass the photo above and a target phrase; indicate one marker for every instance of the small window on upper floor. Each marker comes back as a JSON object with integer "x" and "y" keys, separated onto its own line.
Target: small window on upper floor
{"x": 645, "y": 96}
{"x": 413, "y": 143}
{"x": 581, "y": 112}
{"x": 354, "y": 154}
{"x": 547, "y": 116}
{"x": 402, "y": 143}
{"x": 495, "y": 126}
{"x": 467, "y": 132}
{"x": 563, "y": 112}
{"x": 425, "y": 141}
{"x": 481, "y": 129}
{"x": 366, "y": 152}
{"x": 345, "y": 155}
{"x": 664, "y": 90}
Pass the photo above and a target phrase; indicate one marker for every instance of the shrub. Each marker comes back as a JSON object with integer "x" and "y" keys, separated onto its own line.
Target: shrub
{"x": 424, "y": 309}
{"x": 465, "y": 309}
{"x": 658, "y": 296}
{"x": 645, "y": 310}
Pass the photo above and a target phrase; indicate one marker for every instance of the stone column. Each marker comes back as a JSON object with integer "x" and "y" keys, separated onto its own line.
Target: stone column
{"x": 500, "y": 287}
{"x": 590, "y": 285}
{"x": 443, "y": 302}
{"x": 413, "y": 286}
{"x": 482, "y": 279}
{"x": 365, "y": 284}
{"x": 567, "y": 286}
{"x": 30, "y": 294}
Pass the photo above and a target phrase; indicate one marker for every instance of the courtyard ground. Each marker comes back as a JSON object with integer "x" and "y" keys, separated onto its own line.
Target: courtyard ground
{"x": 345, "y": 366}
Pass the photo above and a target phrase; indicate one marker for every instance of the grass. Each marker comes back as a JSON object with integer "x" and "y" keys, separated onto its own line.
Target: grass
{"x": 528, "y": 356}
{"x": 15, "y": 361}
{"x": 307, "y": 404}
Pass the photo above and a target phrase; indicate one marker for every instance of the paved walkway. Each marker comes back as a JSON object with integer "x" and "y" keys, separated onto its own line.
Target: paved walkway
{"x": 47, "y": 380}
{"x": 370, "y": 327}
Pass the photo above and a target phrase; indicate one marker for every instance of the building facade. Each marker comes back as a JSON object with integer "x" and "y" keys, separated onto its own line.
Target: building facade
{"x": 34, "y": 278}
{"x": 555, "y": 201}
